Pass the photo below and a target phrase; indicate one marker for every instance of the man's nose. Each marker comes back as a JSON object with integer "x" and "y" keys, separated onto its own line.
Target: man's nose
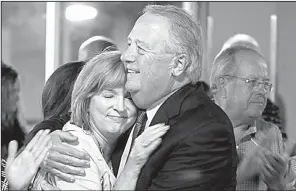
{"x": 128, "y": 56}
{"x": 261, "y": 89}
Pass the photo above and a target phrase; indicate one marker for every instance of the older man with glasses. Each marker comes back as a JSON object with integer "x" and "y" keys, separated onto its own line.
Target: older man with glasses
{"x": 240, "y": 85}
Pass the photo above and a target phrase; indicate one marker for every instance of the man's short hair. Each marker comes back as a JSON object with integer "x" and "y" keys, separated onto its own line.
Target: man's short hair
{"x": 186, "y": 36}
{"x": 225, "y": 63}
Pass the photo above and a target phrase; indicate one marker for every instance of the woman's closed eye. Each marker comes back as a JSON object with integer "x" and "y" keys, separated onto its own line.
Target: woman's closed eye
{"x": 108, "y": 95}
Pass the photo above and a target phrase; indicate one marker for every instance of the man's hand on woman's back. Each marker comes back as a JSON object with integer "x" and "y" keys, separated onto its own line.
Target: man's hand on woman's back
{"x": 63, "y": 160}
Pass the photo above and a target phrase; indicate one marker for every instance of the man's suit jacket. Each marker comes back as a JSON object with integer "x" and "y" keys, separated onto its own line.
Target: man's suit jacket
{"x": 197, "y": 153}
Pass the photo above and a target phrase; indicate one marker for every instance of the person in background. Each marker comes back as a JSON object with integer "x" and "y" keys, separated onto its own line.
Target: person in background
{"x": 240, "y": 85}
{"x": 56, "y": 97}
{"x": 206, "y": 88}
{"x": 271, "y": 112}
{"x": 17, "y": 168}
{"x": 241, "y": 39}
{"x": 11, "y": 126}
{"x": 20, "y": 168}
{"x": 93, "y": 46}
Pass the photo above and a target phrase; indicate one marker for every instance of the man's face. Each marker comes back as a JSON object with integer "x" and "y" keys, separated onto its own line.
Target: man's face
{"x": 147, "y": 62}
{"x": 245, "y": 100}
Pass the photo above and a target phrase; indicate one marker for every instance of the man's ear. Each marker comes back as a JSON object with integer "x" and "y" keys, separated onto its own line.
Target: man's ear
{"x": 221, "y": 83}
{"x": 179, "y": 64}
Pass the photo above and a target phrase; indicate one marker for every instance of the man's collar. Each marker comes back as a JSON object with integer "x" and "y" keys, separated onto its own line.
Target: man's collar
{"x": 173, "y": 105}
{"x": 251, "y": 130}
{"x": 153, "y": 109}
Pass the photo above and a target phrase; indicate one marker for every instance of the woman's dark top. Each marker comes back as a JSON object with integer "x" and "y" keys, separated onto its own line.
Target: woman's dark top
{"x": 53, "y": 123}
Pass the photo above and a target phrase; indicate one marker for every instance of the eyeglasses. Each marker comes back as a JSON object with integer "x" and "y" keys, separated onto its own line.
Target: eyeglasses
{"x": 254, "y": 83}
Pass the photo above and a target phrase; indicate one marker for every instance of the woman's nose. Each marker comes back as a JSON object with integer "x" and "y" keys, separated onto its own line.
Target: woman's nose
{"x": 120, "y": 106}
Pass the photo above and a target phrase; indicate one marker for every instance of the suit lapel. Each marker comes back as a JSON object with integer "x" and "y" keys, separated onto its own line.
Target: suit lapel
{"x": 168, "y": 113}
{"x": 172, "y": 106}
{"x": 187, "y": 98}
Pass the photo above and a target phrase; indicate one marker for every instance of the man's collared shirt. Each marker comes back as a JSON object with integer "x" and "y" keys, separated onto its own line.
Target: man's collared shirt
{"x": 249, "y": 143}
{"x": 150, "y": 115}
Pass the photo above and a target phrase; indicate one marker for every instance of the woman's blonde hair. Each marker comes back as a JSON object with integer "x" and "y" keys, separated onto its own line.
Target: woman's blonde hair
{"x": 103, "y": 71}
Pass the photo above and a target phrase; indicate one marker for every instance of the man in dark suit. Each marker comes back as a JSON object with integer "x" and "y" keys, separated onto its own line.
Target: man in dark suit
{"x": 163, "y": 60}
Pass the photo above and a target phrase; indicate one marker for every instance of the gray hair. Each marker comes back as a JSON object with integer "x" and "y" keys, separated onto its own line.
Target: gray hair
{"x": 186, "y": 36}
{"x": 243, "y": 40}
{"x": 225, "y": 62}
{"x": 103, "y": 71}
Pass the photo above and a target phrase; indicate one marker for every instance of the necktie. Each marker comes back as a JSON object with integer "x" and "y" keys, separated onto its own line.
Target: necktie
{"x": 139, "y": 128}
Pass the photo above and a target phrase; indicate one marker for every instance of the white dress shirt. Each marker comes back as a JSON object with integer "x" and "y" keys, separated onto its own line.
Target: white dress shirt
{"x": 151, "y": 111}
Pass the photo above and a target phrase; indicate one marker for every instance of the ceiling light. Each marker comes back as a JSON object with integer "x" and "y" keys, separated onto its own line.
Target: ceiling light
{"x": 79, "y": 12}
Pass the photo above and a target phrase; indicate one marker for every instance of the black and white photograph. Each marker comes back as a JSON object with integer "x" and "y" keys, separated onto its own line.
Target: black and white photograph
{"x": 148, "y": 95}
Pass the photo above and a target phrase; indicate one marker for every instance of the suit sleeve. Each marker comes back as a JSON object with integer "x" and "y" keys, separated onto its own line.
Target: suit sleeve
{"x": 205, "y": 160}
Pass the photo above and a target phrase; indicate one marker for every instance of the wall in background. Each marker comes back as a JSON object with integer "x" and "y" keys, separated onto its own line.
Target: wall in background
{"x": 287, "y": 63}
{"x": 241, "y": 17}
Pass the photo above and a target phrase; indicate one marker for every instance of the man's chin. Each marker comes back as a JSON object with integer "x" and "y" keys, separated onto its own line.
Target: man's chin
{"x": 139, "y": 100}
{"x": 256, "y": 114}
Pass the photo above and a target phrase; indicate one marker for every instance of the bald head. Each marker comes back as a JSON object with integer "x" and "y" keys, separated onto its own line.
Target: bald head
{"x": 93, "y": 46}
{"x": 243, "y": 40}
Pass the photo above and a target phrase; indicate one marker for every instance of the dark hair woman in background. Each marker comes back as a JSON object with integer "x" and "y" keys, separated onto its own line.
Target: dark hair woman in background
{"x": 11, "y": 128}
{"x": 56, "y": 98}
